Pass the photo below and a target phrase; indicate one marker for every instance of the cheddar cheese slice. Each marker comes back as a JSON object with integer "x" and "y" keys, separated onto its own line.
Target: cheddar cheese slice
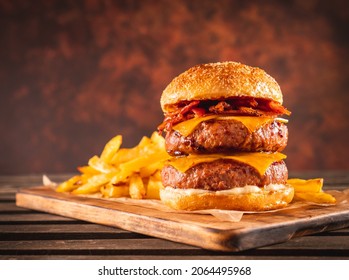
{"x": 260, "y": 161}
{"x": 251, "y": 123}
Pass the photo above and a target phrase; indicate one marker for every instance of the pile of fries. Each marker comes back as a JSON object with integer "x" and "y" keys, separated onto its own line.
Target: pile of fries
{"x": 310, "y": 191}
{"x": 133, "y": 172}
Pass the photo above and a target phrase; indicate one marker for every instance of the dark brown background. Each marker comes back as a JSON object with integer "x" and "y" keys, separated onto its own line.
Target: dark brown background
{"x": 75, "y": 73}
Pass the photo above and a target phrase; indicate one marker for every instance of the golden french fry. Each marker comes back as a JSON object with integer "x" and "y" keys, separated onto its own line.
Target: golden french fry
{"x": 111, "y": 148}
{"x": 158, "y": 140}
{"x": 150, "y": 169}
{"x": 115, "y": 191}
{"x": 130, "y": 167}
{"x": 153, "y": 188}
{"x": 98, "y": 164}
{"x": 94, "y": 184}
{"x": 88, "y": 170}
{"x": 124, "y": 155}
{"x": 143, "y": 144}
{"x": 127, "y": 169}
{"x": 137, "y": 189}
{"x": 157, "y": 175}
{"x": 121, "y": 176}
{"x": 136, "y": 164}
{"x": 310, "y": 190}
{"x": 316, "y": 197}
{"x": 311, "y": 185}
{"x": 70, "y": 184}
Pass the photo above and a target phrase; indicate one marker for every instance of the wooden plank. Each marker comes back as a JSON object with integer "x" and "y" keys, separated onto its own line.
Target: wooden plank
{"x": 320, "y": 243}
{"x": 63, "y": 232}
{"x": 309, "y": 247}
{"x": 59, "y": 228}
{"x": 93, "y": 244}
{"x": 7, "y": 197}
{"x": 51, "y": 232}
{"x": 205, "y": 231}
{"x": 36, "y": 217}
{"x": 4, "y": 188}
{"x": 11, "y": 207}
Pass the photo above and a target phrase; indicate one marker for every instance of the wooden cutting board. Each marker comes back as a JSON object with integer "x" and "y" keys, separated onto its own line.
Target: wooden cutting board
{"x": 205, "y": 231}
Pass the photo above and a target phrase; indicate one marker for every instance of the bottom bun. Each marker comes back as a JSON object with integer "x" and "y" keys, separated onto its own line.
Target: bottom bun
{"x": 249, "y": 198}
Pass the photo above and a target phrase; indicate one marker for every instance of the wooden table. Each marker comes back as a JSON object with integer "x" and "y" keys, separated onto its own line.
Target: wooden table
{"x": 27, "y": 234}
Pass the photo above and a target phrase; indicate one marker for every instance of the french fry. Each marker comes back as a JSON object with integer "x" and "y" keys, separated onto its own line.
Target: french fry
{"x": 115, "y": 191}
{"x": 134, "y": 166}
{"x": 149, "y": 170}
{"x": 69, "y": 185}
{"x": 137, "y": 189}
{"x": 98, "y": 164}
{"x": 311, "y": 185}
{"x": 310, "y": 190}
{"x": 124, "y": 155}
{"x": 316, "y": 197}
{"x": 158, "y": 140}
{"x": 111, "y": 148}
{"x": 88, "y": 170}
{"x": 121, "y": 176}
{"x": 94, "y": 184}
{"x": 153, "y": 188}
{"x": 157, "y": 175}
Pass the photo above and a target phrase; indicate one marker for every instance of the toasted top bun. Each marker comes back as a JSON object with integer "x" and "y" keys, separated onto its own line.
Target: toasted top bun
{"x": 217, "y": 81}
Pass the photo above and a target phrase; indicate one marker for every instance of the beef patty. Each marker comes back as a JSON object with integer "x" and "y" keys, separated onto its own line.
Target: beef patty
{"x": 222, "y": 136}
{"x": 223, "y": 174}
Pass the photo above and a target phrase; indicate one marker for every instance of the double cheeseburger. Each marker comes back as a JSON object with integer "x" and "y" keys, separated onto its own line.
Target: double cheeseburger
{"x": 224, "y": 131}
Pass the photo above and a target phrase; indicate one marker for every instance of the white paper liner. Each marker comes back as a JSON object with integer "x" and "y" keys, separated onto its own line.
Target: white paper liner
{"x": 222, "y": 215}
{"x": 48, "y": 183}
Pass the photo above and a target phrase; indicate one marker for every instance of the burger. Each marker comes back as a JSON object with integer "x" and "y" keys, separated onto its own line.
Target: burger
{"x": 224, "y": 131}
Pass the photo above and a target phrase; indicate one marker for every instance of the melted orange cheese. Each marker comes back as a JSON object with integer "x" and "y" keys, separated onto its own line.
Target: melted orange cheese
{"x": 260, "y": 161}
{"x": 251, "y": 123}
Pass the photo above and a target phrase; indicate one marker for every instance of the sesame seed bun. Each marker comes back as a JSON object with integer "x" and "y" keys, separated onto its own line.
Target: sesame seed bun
{"x": 218, "y": 81}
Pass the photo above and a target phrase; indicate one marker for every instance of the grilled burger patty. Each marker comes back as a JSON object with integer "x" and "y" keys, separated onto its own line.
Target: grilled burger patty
{"x": 220, "y": 136}
{"x": 223, "y": 174}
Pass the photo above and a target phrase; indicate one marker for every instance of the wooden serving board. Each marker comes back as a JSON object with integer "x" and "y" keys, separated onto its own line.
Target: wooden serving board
{"x": 205, "y": 231}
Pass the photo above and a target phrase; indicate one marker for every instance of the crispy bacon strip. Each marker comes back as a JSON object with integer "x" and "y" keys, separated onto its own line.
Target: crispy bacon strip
{"x": 278, "y": 108}
{"x": 247, "y": 106}
{"x": 178, "y": 116}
